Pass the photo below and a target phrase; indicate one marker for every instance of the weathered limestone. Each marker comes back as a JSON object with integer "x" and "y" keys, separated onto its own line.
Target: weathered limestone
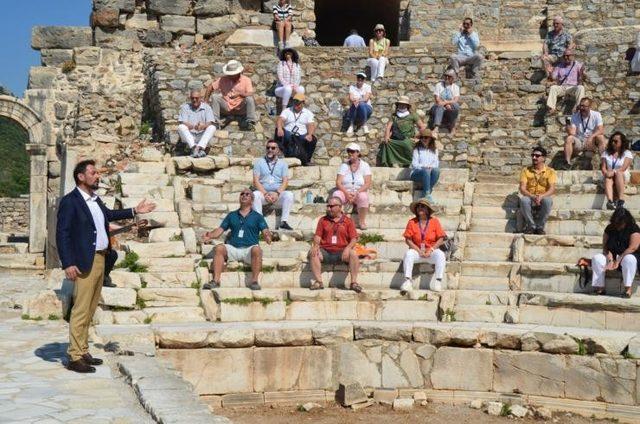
{"x": 462, "y": 369}
{"x": 60, "y": 37}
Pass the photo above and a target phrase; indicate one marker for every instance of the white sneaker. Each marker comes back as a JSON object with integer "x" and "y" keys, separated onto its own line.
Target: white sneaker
{"x": 407, "y": 286}
{"x": 350, "y": 130}
{"x": 436, "y": 285}
{"x": 365, "y": 129}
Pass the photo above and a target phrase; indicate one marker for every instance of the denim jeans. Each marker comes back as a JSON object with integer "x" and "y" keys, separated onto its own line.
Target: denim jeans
{"x": 428, "y": 178}
{"x": 439, "y": 112}
{"x": 359, "y": 115}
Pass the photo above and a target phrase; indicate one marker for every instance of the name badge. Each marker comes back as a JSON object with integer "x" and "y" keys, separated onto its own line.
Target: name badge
{"x": 422, "y": 247}
{"x": 240, "y": 233}
{"x": 334, "y": 239}
{"x": 271, "y": 180}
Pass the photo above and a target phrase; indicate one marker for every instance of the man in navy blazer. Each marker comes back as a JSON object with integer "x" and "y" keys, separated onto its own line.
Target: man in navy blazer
{"x": 82, "y": 236}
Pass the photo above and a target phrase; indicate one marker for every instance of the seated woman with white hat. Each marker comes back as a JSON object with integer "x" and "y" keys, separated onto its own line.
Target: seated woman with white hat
{"x": 353, "y": 182}
{"x": 397, "y": 146}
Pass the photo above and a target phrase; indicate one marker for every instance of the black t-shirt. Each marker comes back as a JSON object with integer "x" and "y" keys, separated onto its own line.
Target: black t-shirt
{"x": 618, "y": 240}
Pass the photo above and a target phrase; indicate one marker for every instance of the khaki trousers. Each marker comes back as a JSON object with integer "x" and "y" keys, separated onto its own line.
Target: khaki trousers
{"x": 86, "y": 295}
{"x": 556, "y": 91}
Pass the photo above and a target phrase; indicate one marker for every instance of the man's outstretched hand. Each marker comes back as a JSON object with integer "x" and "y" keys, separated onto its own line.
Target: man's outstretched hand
{"x": 145, "y": 206}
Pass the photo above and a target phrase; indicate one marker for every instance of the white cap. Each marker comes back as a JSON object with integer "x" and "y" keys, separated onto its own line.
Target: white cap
{"x": 353, "y": 146}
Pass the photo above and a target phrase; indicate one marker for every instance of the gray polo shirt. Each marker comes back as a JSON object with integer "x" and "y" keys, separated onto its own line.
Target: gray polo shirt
{"x": 188, "y": 115}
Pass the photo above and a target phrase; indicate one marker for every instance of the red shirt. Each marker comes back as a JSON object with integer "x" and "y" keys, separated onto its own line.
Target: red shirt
{"x": 344, "y": 230}
{"x": 429, "y": 236}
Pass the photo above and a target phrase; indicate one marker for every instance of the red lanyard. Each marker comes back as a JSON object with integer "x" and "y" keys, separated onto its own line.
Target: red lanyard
{"x": 423, "y": 233}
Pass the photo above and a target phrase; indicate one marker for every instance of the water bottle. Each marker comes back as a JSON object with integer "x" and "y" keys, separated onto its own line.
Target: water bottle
{"x": 309, "y": 198}
{"x": 228, "y": 151}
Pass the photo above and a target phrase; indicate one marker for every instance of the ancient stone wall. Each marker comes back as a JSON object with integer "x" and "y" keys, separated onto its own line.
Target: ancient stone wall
{"x": 14, "y": 215}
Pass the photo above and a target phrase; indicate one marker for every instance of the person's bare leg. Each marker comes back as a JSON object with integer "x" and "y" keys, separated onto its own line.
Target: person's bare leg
{"x": 354, "y": 266}
{"x": 256, "y": 263}
{"x": 568, "y": 148}
{"x": 220, "y": 255}
{"x": 362, "y": 217}
{"x": 315, "y": 261}
{"x": 601, "y": 143}
{"x": 619, "y": 184}
{"x": 608, "y": 189}
{"x": 280, "y": 27}
{"x": 287, "y": 31}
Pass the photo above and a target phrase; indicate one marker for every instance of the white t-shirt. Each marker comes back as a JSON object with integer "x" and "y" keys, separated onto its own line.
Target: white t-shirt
{"x": 352, "y": 181}
{"x": 297, "y": 122}
{"x": 448, "y": 92}
{"x": 359, "y": 93}
{"x": 425, "y": 158}
{"x": 586, "y": 127}
{"x": 617, "y": 162}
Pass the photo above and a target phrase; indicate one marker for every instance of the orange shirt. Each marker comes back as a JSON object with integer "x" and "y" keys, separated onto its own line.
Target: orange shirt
{"x": 228, "y": 87}
{"x": 433, "y": 232}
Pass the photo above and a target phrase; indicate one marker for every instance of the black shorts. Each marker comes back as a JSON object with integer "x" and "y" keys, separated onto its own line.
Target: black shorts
{"x": 331, "y": 258}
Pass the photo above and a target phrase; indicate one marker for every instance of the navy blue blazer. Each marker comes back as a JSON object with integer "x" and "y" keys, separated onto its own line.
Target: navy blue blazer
{"x": 76, "y": 233}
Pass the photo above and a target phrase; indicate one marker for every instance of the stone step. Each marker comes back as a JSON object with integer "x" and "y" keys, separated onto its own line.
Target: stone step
{"x": 148, "y": 191}
{"x": 563, "y": 201}
{"x": 140, "y": 179}
{"x": 481, "y": 313}
{"x": 166, "y": 249}
{"x": 492, "y": 225}
{"x": 172, "y": 279}
{"x": 498, "y": 239}
{"x": 15, "y": 261}
{"x": 564, "y": 278}
{"x": 170, "y": 265}
{"x": 484, "y": 254}
{"x": 483, "y": 283}
{"x": 486, "y": 298}
{"x": 163, "y": 219}
{"x": 169, "y": 297}
{"x": 146, "y": 168}
{"x": 175, "y": 314}
{"x": 488, "y": 269}
{"x": 162, "y": 205}
{"x": 493, "y": 212}
{"x": 165, "y": 235}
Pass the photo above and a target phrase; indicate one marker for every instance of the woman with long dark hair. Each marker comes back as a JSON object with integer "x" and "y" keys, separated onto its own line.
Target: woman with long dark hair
{"x": 615, "y": 167}
{"x": 620, "y": 244}
{"x": 289, "y": 76}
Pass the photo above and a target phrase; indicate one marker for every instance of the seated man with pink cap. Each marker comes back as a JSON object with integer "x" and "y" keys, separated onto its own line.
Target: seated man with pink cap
{"x": 233, "y": 95}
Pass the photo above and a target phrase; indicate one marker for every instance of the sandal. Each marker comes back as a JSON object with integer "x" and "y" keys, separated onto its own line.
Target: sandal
{"x": 316, "y": 285}
{"x": 626, "y": 295}
{"x": 600, "y": 292}
{"x": 355, "y": 287}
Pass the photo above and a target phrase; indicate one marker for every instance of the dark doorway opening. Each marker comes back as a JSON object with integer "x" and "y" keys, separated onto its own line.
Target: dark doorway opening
{"x": 335, "y": 18}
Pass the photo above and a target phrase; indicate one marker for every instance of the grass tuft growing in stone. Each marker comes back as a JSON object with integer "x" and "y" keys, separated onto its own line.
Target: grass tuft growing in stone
{"x": 140, "y": 303}
{"x": 195, "y": 284}
{"x": 176, "y": 237}
{"x": 506, "y": 410}
{"x": 68, "y": 66}
{"x": 53, "y": 317}
{"x": 266, "y": 301}
{"x": 288, "y": 301}
{"x": 30, "y": 318}
{"x": 143, "y": 285}
{"x": 147, "y": 320}
{"x": 265, "y": 268}
{"x": 450, "y": 315}
{"x": 241, "y": 301}
{"x": 145, "y": 128}
{"x": 627, "y": 355}
{"x": 130, "y": 262}
{"x": 366, "y": 238}
{"x": 203, "y": 264}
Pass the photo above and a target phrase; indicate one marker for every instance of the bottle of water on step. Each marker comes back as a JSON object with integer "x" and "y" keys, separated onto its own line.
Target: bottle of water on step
{"x": 309, "y": 198}
{"x": 228, "y": 151}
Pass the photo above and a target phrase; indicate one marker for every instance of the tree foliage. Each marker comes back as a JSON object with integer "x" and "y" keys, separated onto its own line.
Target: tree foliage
{"x": 14, "y": 160}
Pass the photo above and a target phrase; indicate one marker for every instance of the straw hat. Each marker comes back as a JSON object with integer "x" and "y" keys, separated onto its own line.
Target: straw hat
{"x": 299, "y": 97}
{"x": 233, "y": 67}
{"x": 423, "y": 202}
{"x": 404, "y": 100}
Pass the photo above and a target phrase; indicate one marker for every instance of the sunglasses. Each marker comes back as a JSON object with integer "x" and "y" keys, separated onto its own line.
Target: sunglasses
{"x": 536, "y": 155}
{"x": 467, "y": 24}
{"x": 379, "y": 30}
{"x": 195, "y": 98}
{"x": 272, "y": 147}
{"x": 332, "y": 206}
{"x": 245, "y": 194}
{"x": 351, "y": 151}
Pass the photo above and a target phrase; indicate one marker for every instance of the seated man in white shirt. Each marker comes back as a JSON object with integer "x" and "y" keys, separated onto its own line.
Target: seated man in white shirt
{"x": 196, "y": 127}
{"x": 585, "y": 131}
{"x": 294, "y": 131}
{"x": 360, "y": 110}
{"x": 270, "y": 178}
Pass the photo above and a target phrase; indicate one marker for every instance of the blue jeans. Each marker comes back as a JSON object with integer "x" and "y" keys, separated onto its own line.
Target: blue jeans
{"x": 359, "y": 115}
{"x": 428, "y": 178}
{"x": 439, "y": 112}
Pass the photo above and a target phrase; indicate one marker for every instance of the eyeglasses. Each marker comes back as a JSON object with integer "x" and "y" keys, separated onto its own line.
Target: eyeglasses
{"x": 195, "y": 98}
{"x": 245, "y": 194}
{"x": 379, "y": 30}
{"x": 272, "y": 147}
{"x": 332, "y": 206}
{"x": 351, "y": 151}
{"x": 535, "y": 155}
{"x": 467, "y": 23}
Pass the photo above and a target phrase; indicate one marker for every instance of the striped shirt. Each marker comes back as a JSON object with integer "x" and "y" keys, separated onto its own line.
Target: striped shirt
{"x": 288, "y": 75}
{"x": 283, "y": 12}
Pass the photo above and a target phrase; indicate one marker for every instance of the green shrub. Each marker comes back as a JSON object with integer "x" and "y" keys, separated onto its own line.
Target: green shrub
{"x": 130, "y": 262}
{"x": 367, "y": 238}
{"x": 506, "y": 410}
{"x": 147, "y": 320}
{"x": 241, "y": 301}
{"x": 145, "y": 128}
{"x": 53, "y": 317}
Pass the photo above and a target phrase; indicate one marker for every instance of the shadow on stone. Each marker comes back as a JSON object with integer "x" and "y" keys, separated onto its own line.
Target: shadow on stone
{"x": 53, "y": 352}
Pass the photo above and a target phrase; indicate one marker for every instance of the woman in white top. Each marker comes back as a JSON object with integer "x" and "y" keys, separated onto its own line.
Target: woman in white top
{"x": 425, "y": 165}
{"x": 378, "y": 52}
{"x": 289, "y": 76}
{"x": 353, "y": 182}
{"x": 615, "y": 167}
{"x": 446, "y": 94}
{"x": 361, "y": 109}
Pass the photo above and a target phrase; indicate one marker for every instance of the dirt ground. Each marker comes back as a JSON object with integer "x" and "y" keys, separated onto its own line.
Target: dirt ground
{"x": 334, "y": 414}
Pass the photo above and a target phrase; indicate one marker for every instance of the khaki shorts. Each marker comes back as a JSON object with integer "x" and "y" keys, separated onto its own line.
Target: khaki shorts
{"x": 239, "y": 254}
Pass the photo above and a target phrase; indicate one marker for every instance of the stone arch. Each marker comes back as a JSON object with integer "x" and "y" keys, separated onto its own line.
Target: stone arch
{"x": 16, "y": 110}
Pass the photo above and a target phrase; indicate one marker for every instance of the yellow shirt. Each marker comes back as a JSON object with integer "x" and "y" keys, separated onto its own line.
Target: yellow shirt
{"x": 538, "y": 182}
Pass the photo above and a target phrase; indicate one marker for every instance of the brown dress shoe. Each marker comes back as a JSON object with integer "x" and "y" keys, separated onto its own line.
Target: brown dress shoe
{"x": 80, "y": 366}
{"x": 90, "y": 360}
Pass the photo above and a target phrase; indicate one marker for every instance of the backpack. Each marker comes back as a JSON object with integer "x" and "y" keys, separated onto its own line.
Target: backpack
{"x": 585, "y": 272}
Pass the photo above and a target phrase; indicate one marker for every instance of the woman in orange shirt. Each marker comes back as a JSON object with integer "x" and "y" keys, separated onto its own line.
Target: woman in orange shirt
{"x": 423, "y": 235}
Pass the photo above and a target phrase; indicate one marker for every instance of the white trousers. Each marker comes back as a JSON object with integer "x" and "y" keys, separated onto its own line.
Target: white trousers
{"x": 285, "y": 91}
{"x": 629, "y": 266}
{"x": 436, "y": 258}
{"x": 285, "y": 201}
{"x": 377, "y": 67}
{"x": 201, "y": 139}
{"x": 556, "y": 91}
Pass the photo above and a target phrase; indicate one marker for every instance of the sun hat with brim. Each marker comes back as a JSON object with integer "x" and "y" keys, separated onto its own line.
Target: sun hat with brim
{"x": 353, "y": 146}
{"x": 299, "y": 97}
{"x": 423, "y": 202}
{"x": 233, "y": 67}
{"x": 450, "y": 73}
{"x": 403, "y": 100}
{"x": 379, "y": 26}
{"x": 361, "y": 75}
